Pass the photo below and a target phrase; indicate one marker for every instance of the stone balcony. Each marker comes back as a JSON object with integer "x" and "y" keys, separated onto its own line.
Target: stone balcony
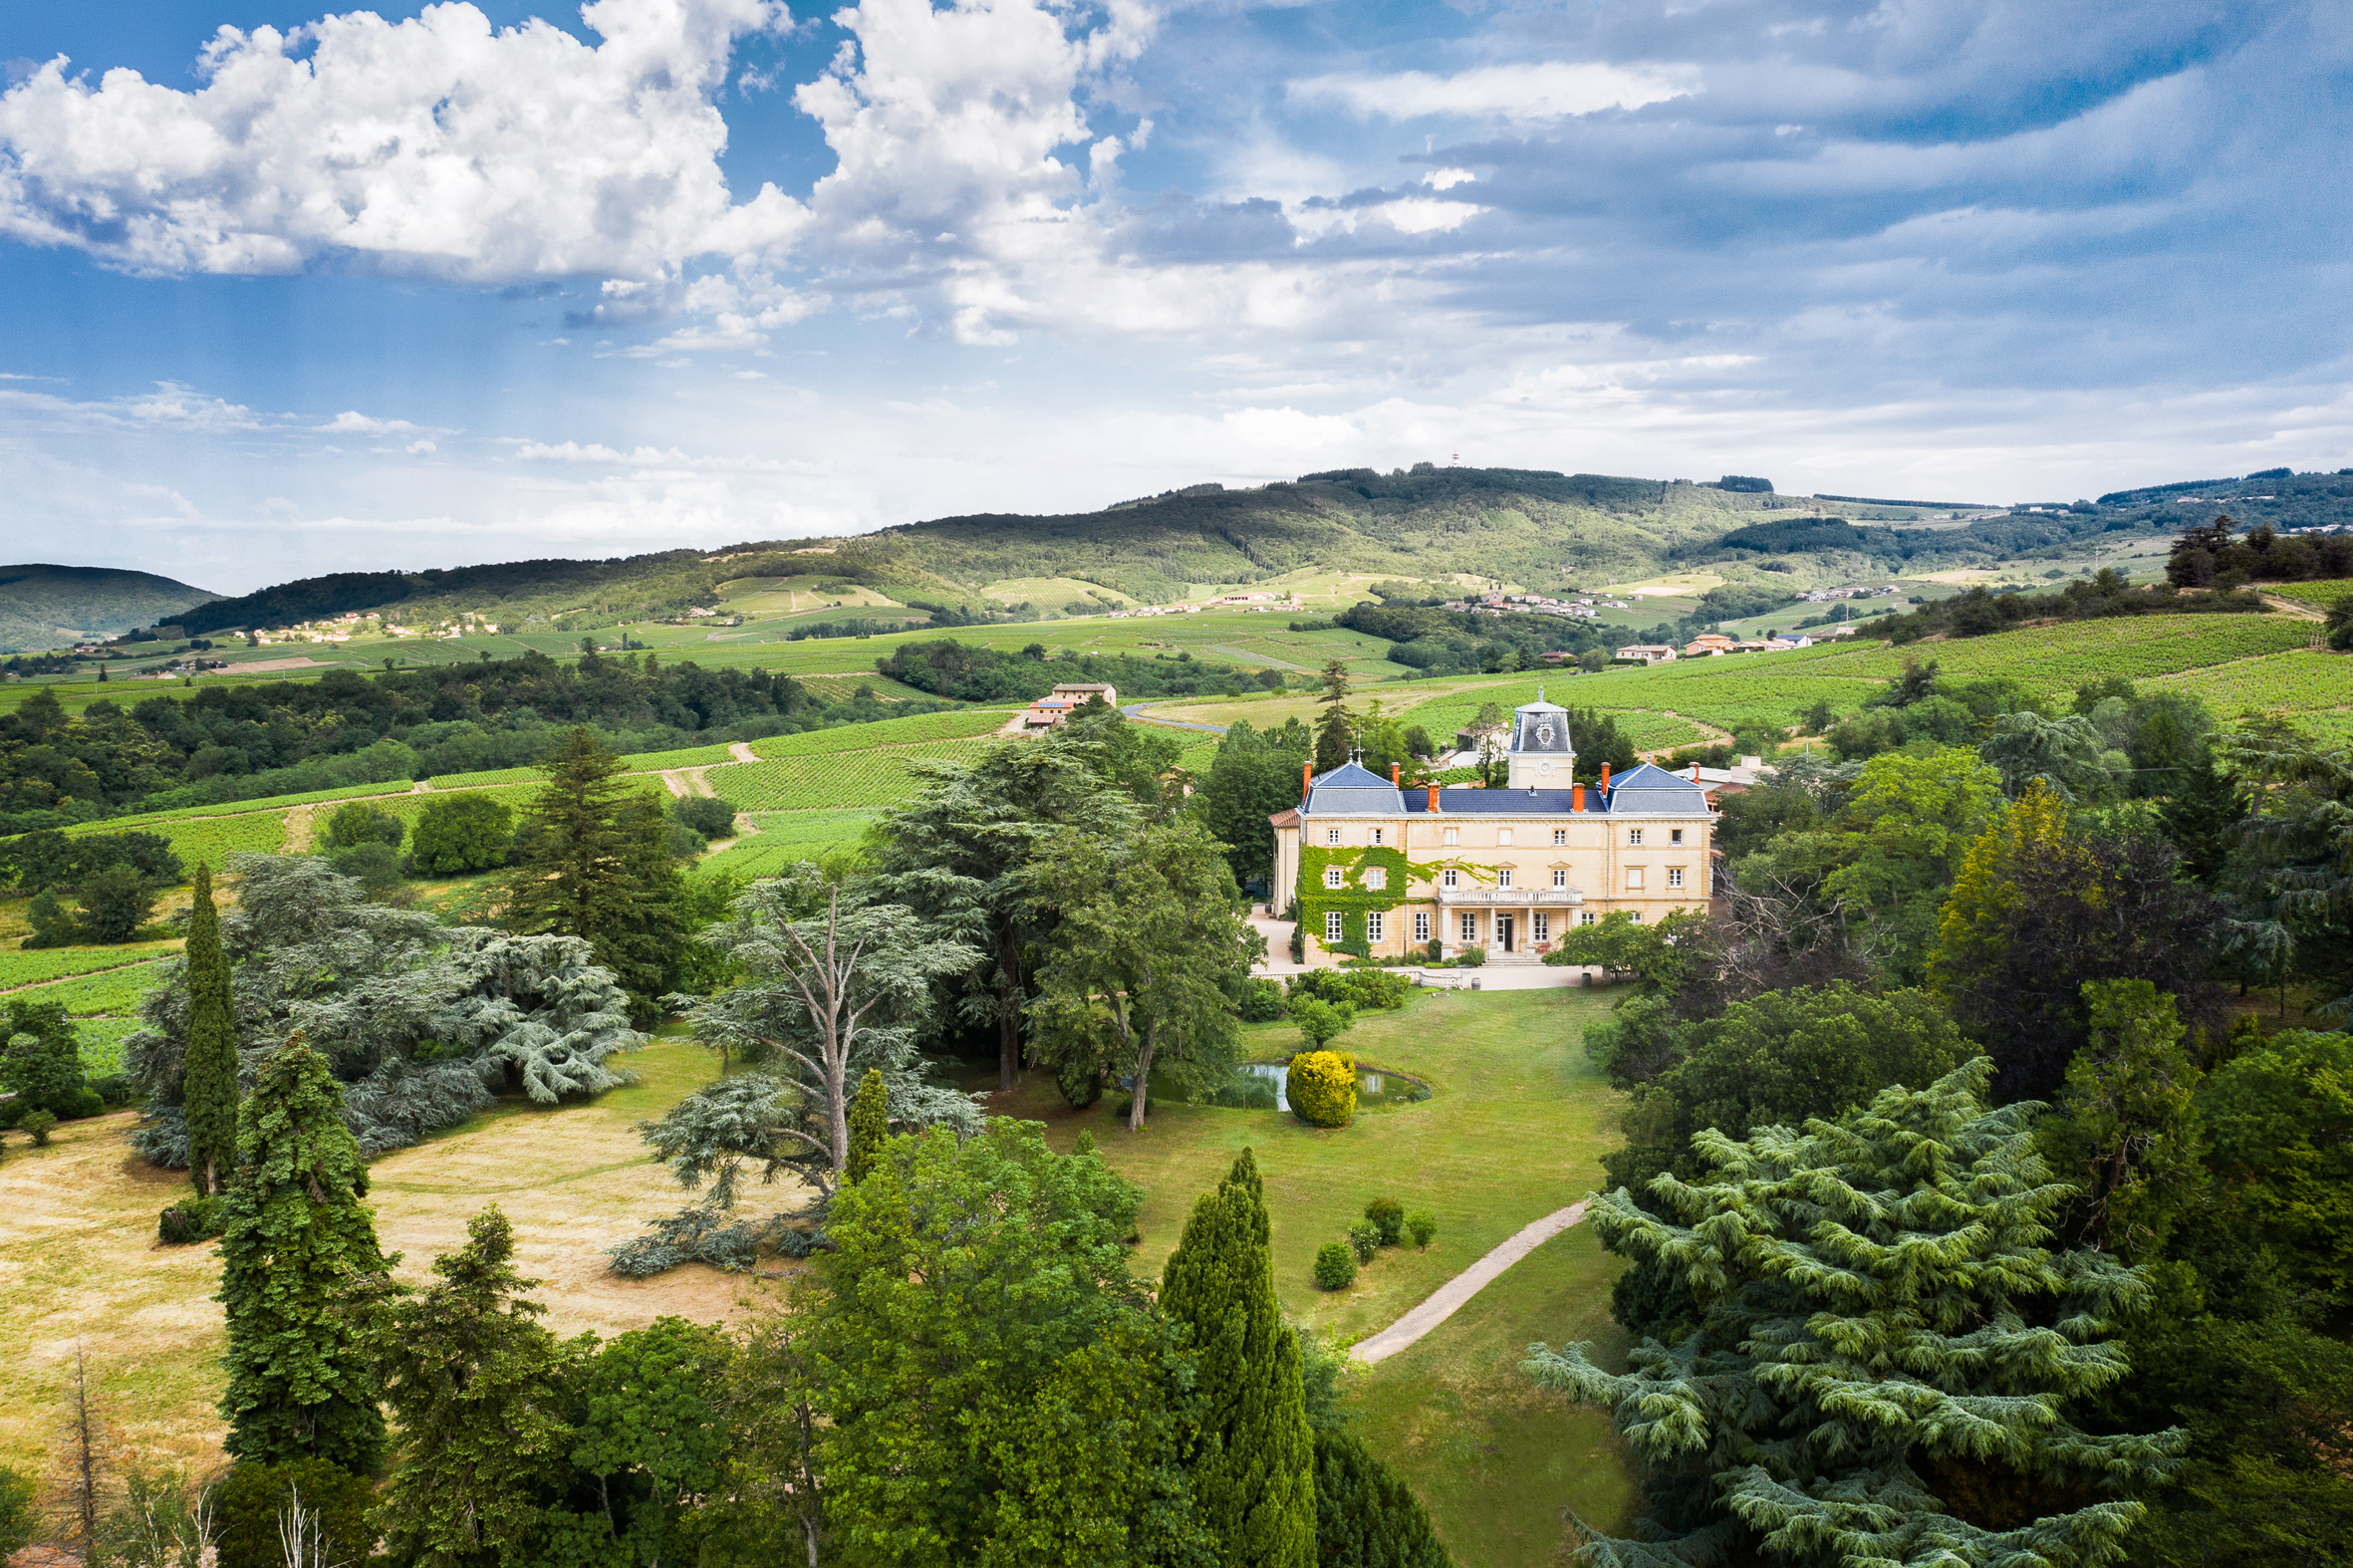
{"x": 1512, "y": 897}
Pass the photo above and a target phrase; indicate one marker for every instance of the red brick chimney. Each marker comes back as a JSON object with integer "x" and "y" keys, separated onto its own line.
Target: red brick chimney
{"x": 1695, "y": 772}
{"x": 1394, "y": 768}
{"x": 1577, "y": 798}
{"x": 1433, "y": 797}
{"x": 1605, "y": 778}
{"x": 1306, "y": 778}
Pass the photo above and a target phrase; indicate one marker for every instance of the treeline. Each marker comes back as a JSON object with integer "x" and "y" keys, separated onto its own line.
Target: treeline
{"x": 2020, "y": 958}
{"x": 2212, "y": 555}
{"x": 245, "y": 742}
{"x": 969, "y": 672}
{"x": 1978, "y": 612}
{"x": 1447, "y": 641}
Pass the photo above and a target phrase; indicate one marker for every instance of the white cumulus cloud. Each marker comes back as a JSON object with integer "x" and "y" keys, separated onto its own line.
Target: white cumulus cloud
{"x": 437, "y": 146}
{"x": 1531, "y": 93}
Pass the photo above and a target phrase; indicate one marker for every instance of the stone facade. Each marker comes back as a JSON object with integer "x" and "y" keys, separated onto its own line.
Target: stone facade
{"x": 1382, "y": 869}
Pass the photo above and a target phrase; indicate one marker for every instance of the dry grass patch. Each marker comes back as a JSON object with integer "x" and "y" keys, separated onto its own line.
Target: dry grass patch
{"x": 79, "y": 1264}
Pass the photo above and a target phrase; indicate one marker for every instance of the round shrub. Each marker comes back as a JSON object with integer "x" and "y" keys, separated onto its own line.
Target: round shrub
{"x": 1322, "y": 1088}
{"x": 1081, "y": 1083}
{"x": 251, "y": 1500}
{"x": 1422, "y": 1225}
{"x": 457, "y": 834}
{"x": 1335, "y": 1265}
{"x": 1472, "y": 957}
{"x": 355, "y": 823}
{"x": 38, "y": 1125}
{"x": 1364, "y": 1240}
{"x": 1388, "y": 1217}
{"x": 1262, "y": 1003}
{"x": 708, "y": 815}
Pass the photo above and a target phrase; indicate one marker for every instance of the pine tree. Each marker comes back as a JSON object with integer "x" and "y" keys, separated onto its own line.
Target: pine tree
{"x": 300, "y": 1270}
{"x": 1334, "y": 732}
{"x": 1884, "y": 1355}
{"x": 478, "y": 1384}
{"x": 1254, "y": 1480}
{"x": 596, "y": 863}
{"x": 869, "y": 1125}
{"x": 209, "y": 1068}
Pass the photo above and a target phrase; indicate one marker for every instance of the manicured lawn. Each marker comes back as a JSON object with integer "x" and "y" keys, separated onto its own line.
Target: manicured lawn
{"x": 1514, "y": 1130}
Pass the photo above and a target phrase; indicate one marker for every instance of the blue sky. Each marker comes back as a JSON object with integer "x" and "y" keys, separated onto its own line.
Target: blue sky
{"x": 285, "y": 290}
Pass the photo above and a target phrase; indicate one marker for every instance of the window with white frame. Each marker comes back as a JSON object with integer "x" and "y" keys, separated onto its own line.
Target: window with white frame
{"x": 1635, "y": 916}
{"x": 1376, "y": 925}
{"x": 1334, "y": 876}
{"x": 1674, "y": 836}
{"x": 1420, "y": 925}
{"x": 1330, "y": 925}
{"x": 1450, "y": 836}
{"x": 1502, "y": 835}
{"x": 1560, "y": 836}
{"x": 1332, "y": 836}
{"x": 1470, "y": 927}
{"x": 1543, "y": 927}
{"x": 1633, "y": 835}
{"x": 1585, "y": 919}
{"x": 1675, "y": 876}
{"x": 1560, "y": 876}
{"x": 1450, "y": 877}
{"x": 1376, "y": 837}
{"x": 1376, "y": 877}
{"x": 1634, "y": 879}
{"x": 1503, "y": 877}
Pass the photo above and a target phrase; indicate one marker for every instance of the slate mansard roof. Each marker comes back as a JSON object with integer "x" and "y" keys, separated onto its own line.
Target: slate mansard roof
{"x": 1355, "y": 791}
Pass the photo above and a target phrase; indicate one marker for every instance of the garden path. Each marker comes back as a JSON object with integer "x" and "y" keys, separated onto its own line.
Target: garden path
{"x": 1448, "y": 1299}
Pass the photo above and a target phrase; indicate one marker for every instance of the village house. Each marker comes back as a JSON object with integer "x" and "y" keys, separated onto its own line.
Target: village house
{"x": 1379, "y": 869}
{"x": 1057, "y": 705}
{"x": 1707, "y": 642}
{"x": 1645, "y": 654}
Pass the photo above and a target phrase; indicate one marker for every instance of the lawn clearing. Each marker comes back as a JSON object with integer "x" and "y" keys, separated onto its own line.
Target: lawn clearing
{"x": 79, "y": 1264}
{"x": 1514, "y": 1130}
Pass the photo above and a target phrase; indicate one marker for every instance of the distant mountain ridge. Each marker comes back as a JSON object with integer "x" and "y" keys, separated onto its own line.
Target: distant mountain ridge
{"x": 1536, "y": 527}
{"x": 44, "y": 606}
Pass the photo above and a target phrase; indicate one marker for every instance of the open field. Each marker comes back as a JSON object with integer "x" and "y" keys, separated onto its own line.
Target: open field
{"x": 80, "y": 1265}
{"x": 1514, "y": 1130}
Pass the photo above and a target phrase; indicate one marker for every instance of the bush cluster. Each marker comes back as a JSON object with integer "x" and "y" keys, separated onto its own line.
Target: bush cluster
{"x": 1386, "y": 1224}
{"x": 1335, "y": 1265}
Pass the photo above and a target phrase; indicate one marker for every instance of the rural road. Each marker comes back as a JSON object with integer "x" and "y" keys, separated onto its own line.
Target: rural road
{"x": 1135, "y": 710}
{"x": 1448, "y": 1299}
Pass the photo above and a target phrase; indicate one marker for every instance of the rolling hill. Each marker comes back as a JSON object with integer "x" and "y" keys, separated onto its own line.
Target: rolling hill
{"x": 43, "y": 606}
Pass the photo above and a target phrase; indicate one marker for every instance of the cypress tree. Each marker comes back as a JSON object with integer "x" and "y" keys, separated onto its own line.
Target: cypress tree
{"x": 596, "y": 863}
{"x": 869, "y": 1125}
{"x": 300, "y": 1268}
{"x": 1254, "y": 1480}
{"x": 210, "y": 1073}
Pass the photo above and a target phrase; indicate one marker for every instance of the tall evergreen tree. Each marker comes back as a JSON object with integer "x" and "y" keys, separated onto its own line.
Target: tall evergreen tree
{"x": 1335, "y": 731}
{"x": 300, "y": 1270}
{"x": 870, "y": 1126}
{"x": 1255, "y": 1477}
{"x": 965, "y": 852}
{"x": 479, "y": 1384}
{"x": 1364, "y": 1516}
{"x": 209, "y": 1081}
{"x": 595, "y": 863}
{"x": 1885, "y": 1353}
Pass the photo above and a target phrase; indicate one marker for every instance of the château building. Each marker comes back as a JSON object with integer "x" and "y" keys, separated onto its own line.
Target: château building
{"x": 1381, "y": 869}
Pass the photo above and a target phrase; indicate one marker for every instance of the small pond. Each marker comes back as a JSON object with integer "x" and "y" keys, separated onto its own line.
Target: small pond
{"x": 1374, "y": 1085}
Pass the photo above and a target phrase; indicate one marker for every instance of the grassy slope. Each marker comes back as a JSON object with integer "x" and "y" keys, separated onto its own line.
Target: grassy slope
{"x": 1515, "y": 1129}
{"x": 79, "y": 1263}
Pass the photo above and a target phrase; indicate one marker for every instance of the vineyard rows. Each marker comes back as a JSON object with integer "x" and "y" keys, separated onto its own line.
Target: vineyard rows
{"x": 963, "y": 723}
{"x": 2328, "y": 592}
{"x": 19, "y": 967}
{"x": 114, "y": 991}
{"x": 2299, "y": 685}
{"x": 879, "y": 777}
{"x": 784, "y": 838}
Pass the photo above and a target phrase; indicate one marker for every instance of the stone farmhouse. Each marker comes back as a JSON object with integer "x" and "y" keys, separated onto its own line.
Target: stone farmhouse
{"x": 1057, "y": 705}
{"x": 1379, "y": 869}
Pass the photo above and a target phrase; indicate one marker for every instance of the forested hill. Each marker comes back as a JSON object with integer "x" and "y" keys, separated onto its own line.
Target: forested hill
{"x": 1533, "y": 527}
{"x": 43, "y": 607}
